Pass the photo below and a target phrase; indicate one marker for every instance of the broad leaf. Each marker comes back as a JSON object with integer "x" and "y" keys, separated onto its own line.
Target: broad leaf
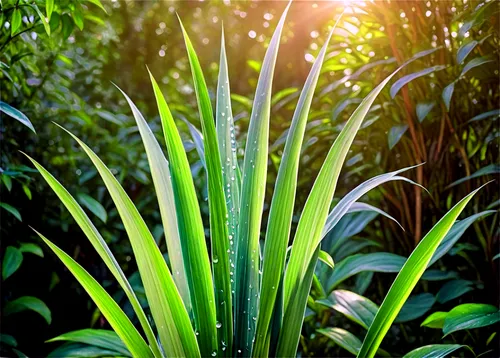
{"x": 433, "y": 351}
{"x": 435, "y": 320}
{"x": 12, "y": 259}
{"x": 95, "y": 337}
{"x": 15, "y": 113}
{"x": 28, "y": 303}
{"x": 470, "y": 316}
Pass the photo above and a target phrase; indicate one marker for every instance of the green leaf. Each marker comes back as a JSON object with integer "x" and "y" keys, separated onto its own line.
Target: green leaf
{"x": 447, "y": 94}
{"x": 487, "y": 170}
{"x": 160, "y": 172}
{"x": 82, "y": 350}
{"x": 395, "y": 134}
{"x": 475, "y": 62}
{"x": 95, "y": 337}
{"x": 191, "y": 229}
{"x": 497, "y": 256}
{"x": 435, "y": 320}
{"x": 253, "y": 188}
{"x": 43, "y": 19}
{"x": 102, "y": 249}
{"x": 31, "y": 248}
{"x": 8, "y": 340}
{"x": 403, "y": 81}
{"x": 343, "y": 338}
{"x": 16, "y": 114}
{"x": 358, "y": 207}
{"x": 218, "y": 215}
{"x": 423, "y": 109}
{"x": 438, "y": 275}
{"x": 326, "y": 258}
{"x": 228, "y": 149}
{"x": 97, "y": 3}
{"x": 453, "y": 289}
{"x": 49, "y": 7}
{"x": 7, "y": 181}
{"x": 470, "y": 316}
{"x": 93, "y": 205}
{"x": 78, "y": 18}
{"x": 27, "y": 191}
{"x": 198, "y": 140}
{"x": 376, "y": 262}
{"x": 465, "y": 50}
{"x": 15, "y": 22}
{"x": 408, "y": 278}
{"x": 310, "y": 227}
{"x": 108, "y": 307}
{"x": 11, "y": 261}
{"x": 11, "y": 210}
{"x": 67, "y": 25}
{"x": 494, "y": 113}
{"x": 357, "y": 308}
{"x": 433, "y": 351}
{"x": 168, "y": 311}
{"x": 350, "y": 198}
{"x": 415, "y": 307}
{"x": 282, "y": 206}
{"x": 28, "y": 303}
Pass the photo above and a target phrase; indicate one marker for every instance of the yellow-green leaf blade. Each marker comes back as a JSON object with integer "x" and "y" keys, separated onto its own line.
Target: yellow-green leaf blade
{"x": 168, "y": 311}
{"x": 252, "y": 201}
{"x": 408, "y": 278}
{"x": 109, "y": 308}
{"x": 218, "y": 218}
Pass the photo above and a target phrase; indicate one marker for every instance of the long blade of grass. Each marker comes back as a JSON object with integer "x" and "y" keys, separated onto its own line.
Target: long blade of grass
{"x": 252, "y": 201}
{"x": 102, "y": 249}
{"x": 194, "y": 248}
{"x": 223, "y": 329}
{"x": 109, "y": 308}
{"x": 314, "y": 215}
{"x": 160, "y": 173}
{"x": 172, "y": 320}
{"x": 294, "y": 312}
{"x": 282, "y": 204}
{"x": 227, "y": 150}
{"x": 408, "y": 278}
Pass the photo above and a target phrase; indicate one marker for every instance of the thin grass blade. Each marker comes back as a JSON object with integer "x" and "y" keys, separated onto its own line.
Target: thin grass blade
{"x": 160, "y": 173}
{"x": 408, "y": 278}
{"x": 223, "y": 328}
{"x": 282, "y": 204}
{"x": 252, "y": 201}
{"x": 102, "y": 249}
{"x": 227, "y": 150}
{"x": 109, "y": 308}
{"x": 171, "y": 318}
{"x": 191, "y": 229}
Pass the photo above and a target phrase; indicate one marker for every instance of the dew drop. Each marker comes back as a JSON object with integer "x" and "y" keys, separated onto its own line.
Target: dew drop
{"x": 218, "y": 325}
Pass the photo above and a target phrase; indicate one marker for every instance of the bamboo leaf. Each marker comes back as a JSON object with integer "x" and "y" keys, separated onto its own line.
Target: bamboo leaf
{"x": 31, "y": 248}
{"x": 11, "y": 210}
{"x": 16, "y": 114}
{"x": 403, "y": 81}
{"x": 408, "y": 278}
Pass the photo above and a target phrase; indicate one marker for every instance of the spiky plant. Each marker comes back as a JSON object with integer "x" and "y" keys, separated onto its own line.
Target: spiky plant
{"x": 221, "y": 304}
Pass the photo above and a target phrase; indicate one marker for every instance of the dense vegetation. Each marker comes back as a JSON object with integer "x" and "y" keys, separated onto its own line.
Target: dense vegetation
{"x": 57, "y": 61}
